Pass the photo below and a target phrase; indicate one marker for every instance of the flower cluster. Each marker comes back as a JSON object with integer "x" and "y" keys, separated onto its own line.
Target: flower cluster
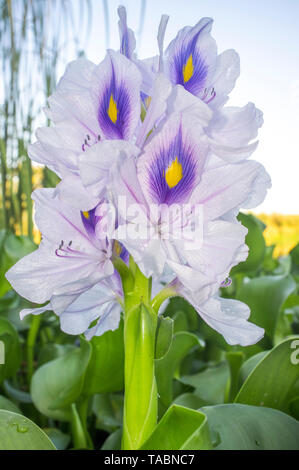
{"x": 153, "y": 166}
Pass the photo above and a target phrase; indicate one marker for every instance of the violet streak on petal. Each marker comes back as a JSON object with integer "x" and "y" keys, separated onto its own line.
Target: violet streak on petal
{"x": 188, "y": 64}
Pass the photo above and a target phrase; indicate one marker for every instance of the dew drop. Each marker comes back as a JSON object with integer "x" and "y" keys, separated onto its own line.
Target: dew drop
{"x": 22, "y": 429}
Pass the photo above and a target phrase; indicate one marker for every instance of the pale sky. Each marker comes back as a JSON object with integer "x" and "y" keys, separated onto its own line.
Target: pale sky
{"x": 265, "y": 33}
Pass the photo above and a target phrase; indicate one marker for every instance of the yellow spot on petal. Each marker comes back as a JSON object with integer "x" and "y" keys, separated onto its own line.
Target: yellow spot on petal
{"x": 117, "y": 248}
{"x": 148, "y": 101}
{"x": 174, "y": 173}
{"x": 86, "y": 214}
{"x": 112, "y": 110}
{"x": 188, "y": 69}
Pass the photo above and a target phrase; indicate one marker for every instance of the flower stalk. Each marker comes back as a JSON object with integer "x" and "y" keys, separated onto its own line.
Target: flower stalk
{"x": 31, "y": 339}
{"x": 141, "y": 399}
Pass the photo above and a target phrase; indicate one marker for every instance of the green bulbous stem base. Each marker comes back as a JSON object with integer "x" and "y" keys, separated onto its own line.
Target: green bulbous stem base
{"x": 140, "y": 323}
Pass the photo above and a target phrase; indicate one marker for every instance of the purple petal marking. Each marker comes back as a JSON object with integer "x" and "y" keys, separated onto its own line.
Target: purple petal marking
{"x": 117, "y": 129}
{"x": 196, "y": 83}
{"x": 90, "y": 220}
{"x": 160, "y": 192}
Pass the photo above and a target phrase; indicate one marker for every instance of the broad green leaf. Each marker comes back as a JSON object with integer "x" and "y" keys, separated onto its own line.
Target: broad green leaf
{"x": 108, "y": 409}
{"x": 182, "y": 343}
{"x": 59, "y": 439}
{"x": 19, "y": 433}
{"x": 113, "y": 441}
{"x": 235, "y": 360}
{"x": 269, "y": 263}
{"x": 189, "y": 400}
{"x": 10, "y": 306}
{"x": 243, "y": 427}
{"x": 13, "y": 249}
{"x": 10, "y": 349}
{"x": 163, "y": 336}
{"x": 59, "y": 383}
{"x": 270, "y": 382}
{"x": 180, "y": 429}
{"x": 294, "y": 408}
{"x": 284, "y": 265}
{"x": 184, "y": 315}
{"x": 211, "y": 384}
{"x": 52, "y": 351}
{"x": 16, "y": 394}
{"x": 105, "y": 371}
{"x": 180, "y": 321}
{"x": 255, "y": 242}
{"x": 8, "y": 405}
{"x": 249, "y": 365}
{"x": 294, "y": 253}
{"x": 265, "y": 296}
{"x": 79, "y": 436}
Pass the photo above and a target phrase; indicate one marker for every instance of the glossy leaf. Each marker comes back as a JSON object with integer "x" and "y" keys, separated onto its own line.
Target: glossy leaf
{"x": 113, "y": 441}
{"x": 108, "y": 409}
{"x": 163, "y": 336}
{"x": 249, "y": 365}
{"x": 243, "y": 427}
{"x": 13, "y": 248}
{"x": 235, "y": 361}
{"x": 270, "y": 382}
{"x": 8, "y": 405}
{"x": 19, "y": 433}
{"x": 59, "y": 439}
{"x": 16, "y": 394}
{"x": 10, "y": 348}
{"x": 211, "y": 384}
{"x": 255, "y": 242}
{"x": 189, "y": 400}
{"x": 182, "y": 344}
{"x": 58, "y": 383}
{"x": 180, "y": 429}
{"x": 265, "y": 296}
{"x": 105, "y": 371}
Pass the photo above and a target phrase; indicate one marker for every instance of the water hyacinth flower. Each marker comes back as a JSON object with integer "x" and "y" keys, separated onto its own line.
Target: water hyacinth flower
{"x": 154, "y": 170}
{"x": 71, "y": 269}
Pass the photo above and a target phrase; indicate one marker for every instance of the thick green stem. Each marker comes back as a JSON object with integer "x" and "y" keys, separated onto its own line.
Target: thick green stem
{"x": 77, "y": 429}
{"x": 141, "y": 400}
{"x": 163, "y": 295}
{"x": 82, "y": 407}
{"x": 31, "y": 338}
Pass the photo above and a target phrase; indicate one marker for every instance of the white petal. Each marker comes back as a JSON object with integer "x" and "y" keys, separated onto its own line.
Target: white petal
{"x": 229, "y": 318}
{"x": 71, "y": 191}
{"x": 231, "y": 187}
{"x": 108, "y": 321}
{"x": 226, "y": 74}
{"x": 97, "y": 164}
{"x": 78, "y": 316}
{"x": 231, "y": 130}
{"x": 34, "y": 311}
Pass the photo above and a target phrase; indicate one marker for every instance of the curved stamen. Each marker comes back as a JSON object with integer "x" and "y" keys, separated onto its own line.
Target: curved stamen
{"x": 226, "y": 283}
{"x": 89, "y": 143}
{"x": 213, "y": 94}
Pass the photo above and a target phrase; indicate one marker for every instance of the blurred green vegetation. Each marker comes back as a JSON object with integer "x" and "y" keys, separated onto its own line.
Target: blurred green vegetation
{"x": 35, "y": 38}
